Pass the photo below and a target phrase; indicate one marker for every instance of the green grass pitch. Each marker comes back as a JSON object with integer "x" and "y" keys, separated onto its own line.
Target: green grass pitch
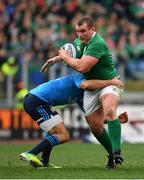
{"x": 79, "y": 161}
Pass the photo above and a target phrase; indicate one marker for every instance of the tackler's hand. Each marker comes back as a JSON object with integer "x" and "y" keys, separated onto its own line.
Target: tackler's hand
{"x": 117, "y": 82}
{"x": 123, "y": 117}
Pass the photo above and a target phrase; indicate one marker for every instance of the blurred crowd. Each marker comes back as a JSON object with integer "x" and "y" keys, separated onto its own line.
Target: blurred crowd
{"x": 33, "y": 30}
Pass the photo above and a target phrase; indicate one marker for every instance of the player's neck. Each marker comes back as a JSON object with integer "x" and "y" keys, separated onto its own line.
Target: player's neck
{"x": 91, "y": 37}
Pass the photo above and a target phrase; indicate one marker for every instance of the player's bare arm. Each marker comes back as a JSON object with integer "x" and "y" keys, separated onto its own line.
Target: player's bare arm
{"x": 95, "y": 84}
{"x": 82, "y": 65}
{"x": 49, "y": 63}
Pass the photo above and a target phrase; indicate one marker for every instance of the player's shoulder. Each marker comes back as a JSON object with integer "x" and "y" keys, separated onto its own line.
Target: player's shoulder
{"x": 98, "y": 39}
{"x": 66, "y": 78}
{"x": 78, "y": 77}
{"x": 74, "y": 76}
{"x": 97, "y": 42}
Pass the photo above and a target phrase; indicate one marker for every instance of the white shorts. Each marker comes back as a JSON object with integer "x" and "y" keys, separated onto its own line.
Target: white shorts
{"x": 92, "y": 98}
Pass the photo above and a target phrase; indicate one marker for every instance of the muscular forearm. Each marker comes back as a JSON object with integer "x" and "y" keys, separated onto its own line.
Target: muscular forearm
{"x": 95, "y": 84}
{"x": 82, "y": 65}
{"x": 76, "y": 64}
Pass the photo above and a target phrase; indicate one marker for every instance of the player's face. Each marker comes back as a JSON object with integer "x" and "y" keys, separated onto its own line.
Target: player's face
{"x": 84, "y": 32}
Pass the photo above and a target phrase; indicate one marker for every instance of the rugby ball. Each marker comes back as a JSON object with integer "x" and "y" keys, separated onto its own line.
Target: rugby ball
{"x": 70, "y": 49}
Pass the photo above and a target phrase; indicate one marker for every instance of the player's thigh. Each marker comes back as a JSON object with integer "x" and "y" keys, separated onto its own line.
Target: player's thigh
{"x": 96, "y": 120}
{"x": 41, "y": 112}
{"x": 110, "y": 96}
{"x": 109, "y": 101}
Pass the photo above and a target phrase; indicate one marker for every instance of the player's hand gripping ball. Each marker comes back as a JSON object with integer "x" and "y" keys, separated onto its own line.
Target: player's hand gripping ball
{"x": 70, "y": 49}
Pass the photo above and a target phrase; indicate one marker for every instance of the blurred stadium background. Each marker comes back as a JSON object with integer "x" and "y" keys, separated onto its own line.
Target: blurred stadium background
{"x": 33, "y": 30}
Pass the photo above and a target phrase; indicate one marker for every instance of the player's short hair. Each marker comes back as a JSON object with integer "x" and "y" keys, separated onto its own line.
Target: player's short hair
{"x": 86, "y": 19}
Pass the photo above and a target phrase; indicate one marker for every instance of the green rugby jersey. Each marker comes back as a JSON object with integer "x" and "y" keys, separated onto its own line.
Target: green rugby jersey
{"x": 96, "y": 47}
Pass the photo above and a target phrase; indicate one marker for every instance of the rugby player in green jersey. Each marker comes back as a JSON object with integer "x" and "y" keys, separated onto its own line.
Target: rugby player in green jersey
{"x": 95, "y": 62}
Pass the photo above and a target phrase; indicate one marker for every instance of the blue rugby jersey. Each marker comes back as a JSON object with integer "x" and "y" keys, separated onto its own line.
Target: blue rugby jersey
{"x": 61, "y": 91}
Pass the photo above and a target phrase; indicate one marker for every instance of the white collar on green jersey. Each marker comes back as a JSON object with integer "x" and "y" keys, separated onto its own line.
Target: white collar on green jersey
{"x": 93, "y": 35}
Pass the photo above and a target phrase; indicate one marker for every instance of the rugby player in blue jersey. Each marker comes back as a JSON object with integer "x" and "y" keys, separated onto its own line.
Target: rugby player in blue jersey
{"x": 38, "y": 104}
